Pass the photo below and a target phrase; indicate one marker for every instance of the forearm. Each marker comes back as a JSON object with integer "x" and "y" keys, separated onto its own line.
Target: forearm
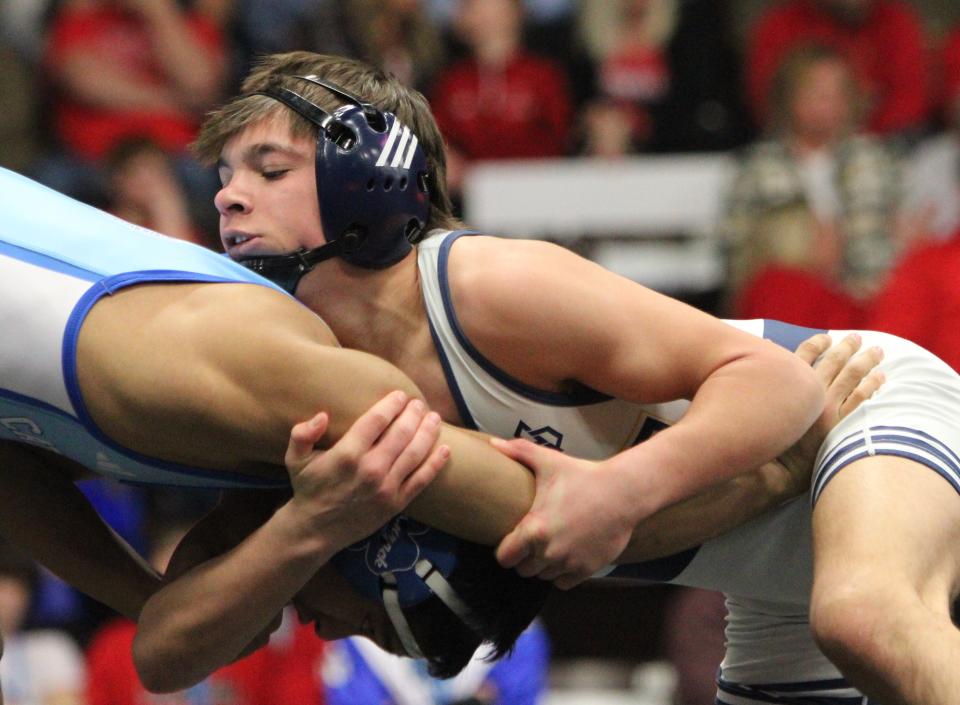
{"x": 710, "y": 514}
{"x": 480, "y": 495}
{"x": 734, "y": 425}
{"x": 203, "y": 619}
{"x": 73, "y": 542}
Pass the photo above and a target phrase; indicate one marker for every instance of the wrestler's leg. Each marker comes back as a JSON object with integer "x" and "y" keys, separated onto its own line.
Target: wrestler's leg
{"x": 886, "y": 532}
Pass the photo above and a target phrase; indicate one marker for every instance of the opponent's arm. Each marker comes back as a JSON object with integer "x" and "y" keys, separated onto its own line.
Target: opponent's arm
{"x": 204, "y": 618}
{"x": 43, "y": 513}
{"x": 251, "y": 363}
{"x": 549, "y": 317}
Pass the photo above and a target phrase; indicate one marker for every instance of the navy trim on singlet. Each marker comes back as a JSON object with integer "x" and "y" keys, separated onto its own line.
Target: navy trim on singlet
{"x": 110, "y": 285}
{"x": 949, "y": 470}
{"x": 658, "y": 570}
{"x": 466, "y": 418}
{"x": 787, "y": 335}
{"x": 577, "y": 398}
{"x": 47, "y": 262}
{"x": 780, "y": 692}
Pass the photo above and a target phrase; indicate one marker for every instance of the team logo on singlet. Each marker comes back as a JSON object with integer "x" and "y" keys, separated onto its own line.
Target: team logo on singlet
{"x": 543, "y": 436}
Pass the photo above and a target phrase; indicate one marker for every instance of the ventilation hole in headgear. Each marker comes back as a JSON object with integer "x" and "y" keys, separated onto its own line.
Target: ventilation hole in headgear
{"x": 403, "y": 183}
{"x": 371, "y": 184}
{"x": 388, "y": 183}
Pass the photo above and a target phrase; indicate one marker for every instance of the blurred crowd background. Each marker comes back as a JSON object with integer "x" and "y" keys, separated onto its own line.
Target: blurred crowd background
{"x": 821, "y": 139}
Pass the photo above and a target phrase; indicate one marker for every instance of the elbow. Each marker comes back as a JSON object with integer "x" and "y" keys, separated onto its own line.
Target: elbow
{"x": 159, "y": 671}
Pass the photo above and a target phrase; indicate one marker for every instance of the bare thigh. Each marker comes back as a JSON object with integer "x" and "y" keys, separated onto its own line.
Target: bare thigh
{"x": 889, "y": 519}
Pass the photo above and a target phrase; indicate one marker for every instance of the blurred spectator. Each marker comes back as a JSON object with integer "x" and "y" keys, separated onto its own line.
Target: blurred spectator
{"x": 932, "y": 175}
{"x": 882, "y": 39}
{"x": 397, "y": 36}
{"x": 42, "y": 667}
{"x": 113, "y": 679}
{"x": 357, "y": 672}
{"x": 675, "y": 65}
{"x": 276, "y": 26}
{"x": 143, "y": 189}
{"x": 500, "y": 102}
{"x": 785, "y": 269}
{"x": 18, "y": 120}
{"x": 849, "y": 184}
{"x": 608, "y": 129}
{"x": 125, "y": 69}
{"x": 23, "y": 25}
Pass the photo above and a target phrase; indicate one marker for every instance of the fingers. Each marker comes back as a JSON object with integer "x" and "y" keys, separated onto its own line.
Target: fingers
{"x": 863, "y": 391}
{"x": 304, "y": 436}
{"x": 834, "y": 359}
{"x": 368, "y": 428}
{"x": 852, "y": 374}
{"x": 812, "y": 348}
{"x": 408, "y": 440}
{"x": 421, "y": 476}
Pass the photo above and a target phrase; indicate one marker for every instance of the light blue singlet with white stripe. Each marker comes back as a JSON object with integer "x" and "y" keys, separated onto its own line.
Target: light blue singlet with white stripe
{"x": 58, "y": 257}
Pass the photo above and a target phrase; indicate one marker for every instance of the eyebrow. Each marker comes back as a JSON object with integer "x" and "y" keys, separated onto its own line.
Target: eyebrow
{"x": 256, "y": 153}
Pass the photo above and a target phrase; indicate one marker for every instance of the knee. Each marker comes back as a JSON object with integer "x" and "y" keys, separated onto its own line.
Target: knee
{"x": 849, "y": 624}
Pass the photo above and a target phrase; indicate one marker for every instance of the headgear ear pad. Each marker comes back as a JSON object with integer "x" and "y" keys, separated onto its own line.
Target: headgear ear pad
{"x": 372, "y": 186}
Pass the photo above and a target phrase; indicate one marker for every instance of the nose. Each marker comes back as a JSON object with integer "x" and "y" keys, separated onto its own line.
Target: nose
{"x": 232, "y": 198}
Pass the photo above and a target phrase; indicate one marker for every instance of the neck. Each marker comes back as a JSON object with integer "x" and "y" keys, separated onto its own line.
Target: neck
{"x": 378, "y": 311}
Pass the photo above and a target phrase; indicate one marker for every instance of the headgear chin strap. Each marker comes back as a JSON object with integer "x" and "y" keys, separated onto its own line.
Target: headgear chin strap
{"x": 287, "y": 270}
{"x": 402, "y": 565}
{"x": 372, "y": 186}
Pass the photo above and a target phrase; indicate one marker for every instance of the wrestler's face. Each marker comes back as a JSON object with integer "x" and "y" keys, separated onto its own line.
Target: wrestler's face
{"x": 338, "y": 611}
{"x": 268, "y": 202}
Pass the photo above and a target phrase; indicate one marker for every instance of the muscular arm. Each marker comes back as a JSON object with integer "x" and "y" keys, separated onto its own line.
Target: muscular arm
{"x": 46, "y": 515}
{"x": 553, "y": 320}
{"x": 250, "y": 364}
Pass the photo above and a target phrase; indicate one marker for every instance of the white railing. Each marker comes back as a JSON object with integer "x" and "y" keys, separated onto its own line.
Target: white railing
{"x": 649, "y": 218}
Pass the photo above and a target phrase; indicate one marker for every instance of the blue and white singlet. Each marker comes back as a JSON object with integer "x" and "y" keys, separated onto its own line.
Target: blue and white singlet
{"x": 765, "y": 566}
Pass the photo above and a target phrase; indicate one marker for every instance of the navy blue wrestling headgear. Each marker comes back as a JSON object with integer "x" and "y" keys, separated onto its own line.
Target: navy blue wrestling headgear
{"x": 371, "y": 184}
{"x": 402, "y": 565}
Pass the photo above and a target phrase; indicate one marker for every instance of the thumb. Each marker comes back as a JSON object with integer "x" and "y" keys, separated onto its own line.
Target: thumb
{"x": 304, "y": 436}
{"x": 513, "y": 549}
{"x": 521, "y": 450}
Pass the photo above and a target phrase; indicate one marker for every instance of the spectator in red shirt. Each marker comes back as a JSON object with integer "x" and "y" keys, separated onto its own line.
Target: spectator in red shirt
{"x": 921, "y": 301}
{"x": 882, "y": 39}
{"x": 132, "y": 68}
{"x": 501, "y": 102}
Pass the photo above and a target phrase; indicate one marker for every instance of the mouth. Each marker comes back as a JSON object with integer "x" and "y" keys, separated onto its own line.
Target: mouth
{"x": 238, "y": 244}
